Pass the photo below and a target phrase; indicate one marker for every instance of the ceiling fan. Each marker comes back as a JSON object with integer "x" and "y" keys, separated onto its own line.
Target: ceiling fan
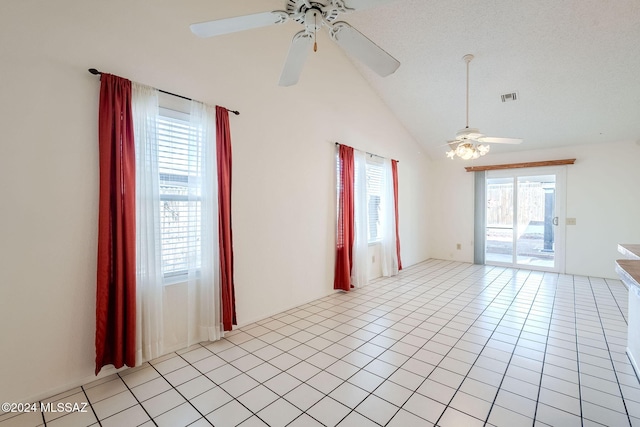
{"x": 313, "y": 15}
{"x": 469, "y": 142}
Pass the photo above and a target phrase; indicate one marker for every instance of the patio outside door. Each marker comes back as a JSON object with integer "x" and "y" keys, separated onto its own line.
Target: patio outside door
{"x": 525, "y": 218}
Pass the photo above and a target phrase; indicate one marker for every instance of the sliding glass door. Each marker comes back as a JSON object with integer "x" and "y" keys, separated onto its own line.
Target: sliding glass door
{"x": 524, "y": 218}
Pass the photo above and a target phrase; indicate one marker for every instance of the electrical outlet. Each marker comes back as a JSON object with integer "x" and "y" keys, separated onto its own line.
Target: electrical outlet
{"x": 373, "y": 259}
{"x": 458, "y": 246}
{"x": 571, "y": 221}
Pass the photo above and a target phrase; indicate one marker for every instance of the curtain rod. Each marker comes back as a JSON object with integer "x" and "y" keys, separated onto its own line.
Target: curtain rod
{"x": 371, "y": 154}
{"x": 97, "y": 73}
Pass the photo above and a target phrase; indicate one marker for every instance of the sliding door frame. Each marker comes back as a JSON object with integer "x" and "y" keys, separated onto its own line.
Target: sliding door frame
{"x": 480, "y": 207}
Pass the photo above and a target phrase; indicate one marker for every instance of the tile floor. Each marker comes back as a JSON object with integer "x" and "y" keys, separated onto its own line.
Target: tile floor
{"x": 443, "y": 343}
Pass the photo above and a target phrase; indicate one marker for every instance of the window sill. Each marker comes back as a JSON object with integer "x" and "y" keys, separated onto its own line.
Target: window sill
{"x": 168, "y": 283}
{"x": 178, "y": 279}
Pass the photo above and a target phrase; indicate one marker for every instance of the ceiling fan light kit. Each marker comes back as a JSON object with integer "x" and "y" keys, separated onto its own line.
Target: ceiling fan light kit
{"x": 470, "y": 143}
{"x": 313, "y": 15}
{"x": 468, "y": 151}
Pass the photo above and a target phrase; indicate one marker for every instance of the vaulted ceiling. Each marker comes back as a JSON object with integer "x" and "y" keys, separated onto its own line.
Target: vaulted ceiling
{"x": 575, "y": 65}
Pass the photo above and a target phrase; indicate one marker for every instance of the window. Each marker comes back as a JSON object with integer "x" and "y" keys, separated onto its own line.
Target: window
{"x": 180, "y": 193}
{"x": 374, "y": 173}
{"x": 374, "y": 177}
{"x": 367, "y": 217}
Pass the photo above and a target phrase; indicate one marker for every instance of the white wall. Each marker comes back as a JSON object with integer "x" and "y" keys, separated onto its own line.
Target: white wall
{"x": 602, "y": 195}
{"x": 283, "y": 160}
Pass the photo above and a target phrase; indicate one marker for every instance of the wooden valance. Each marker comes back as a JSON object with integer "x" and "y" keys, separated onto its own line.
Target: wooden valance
{"x": 521, "y": 165}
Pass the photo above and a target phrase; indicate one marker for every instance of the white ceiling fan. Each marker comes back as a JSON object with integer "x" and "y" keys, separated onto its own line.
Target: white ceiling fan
{"x": 313, "y": 15}
{"x": 469, "y": 142}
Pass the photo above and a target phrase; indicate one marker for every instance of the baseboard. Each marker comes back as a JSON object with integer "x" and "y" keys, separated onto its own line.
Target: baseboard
{"x": 105, "y": 372}
{"x": 282, "y": 310}
{"x": 110, "y": 370}
{"x": 273, "y": 313}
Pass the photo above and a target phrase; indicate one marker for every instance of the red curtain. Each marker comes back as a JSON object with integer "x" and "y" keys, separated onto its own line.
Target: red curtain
{"x": 116, "y": 274}
{"x": 394, "y": 172}
{"x": 345, "y": 228}
{"x": 223, "y": 149}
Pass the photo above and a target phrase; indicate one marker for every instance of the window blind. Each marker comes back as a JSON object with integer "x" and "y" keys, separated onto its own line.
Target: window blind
{"x": 374, "y": 196}
{"x": 179, "y": 166}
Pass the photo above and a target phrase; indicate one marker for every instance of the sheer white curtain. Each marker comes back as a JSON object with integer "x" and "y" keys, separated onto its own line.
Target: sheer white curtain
{"x": 203, "y": 285}
{"x": 149, "y": 283}
{"x": 359, "y": 270}
{"x": 388, "y": 248}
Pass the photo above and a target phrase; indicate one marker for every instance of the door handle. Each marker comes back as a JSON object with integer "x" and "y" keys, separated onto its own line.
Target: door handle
{"x": 555, "y": 220}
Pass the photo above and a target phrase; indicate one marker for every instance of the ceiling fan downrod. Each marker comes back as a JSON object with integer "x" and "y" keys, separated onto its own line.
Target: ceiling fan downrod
{"x": 467, "y": 58}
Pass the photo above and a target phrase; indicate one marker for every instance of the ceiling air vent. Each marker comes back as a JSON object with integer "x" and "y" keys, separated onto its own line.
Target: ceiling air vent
{"x": 513, "y": 96}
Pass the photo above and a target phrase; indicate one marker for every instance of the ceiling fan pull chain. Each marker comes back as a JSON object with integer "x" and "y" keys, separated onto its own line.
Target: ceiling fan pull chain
{"x": 315, "y": 32}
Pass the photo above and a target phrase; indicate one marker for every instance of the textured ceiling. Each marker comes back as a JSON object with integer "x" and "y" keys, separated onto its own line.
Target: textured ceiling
{"x": 574, "y": 63}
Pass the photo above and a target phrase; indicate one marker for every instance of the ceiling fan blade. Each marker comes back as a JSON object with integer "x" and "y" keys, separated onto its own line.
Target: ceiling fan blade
{"x": 360, "y": 47}
{"x": 364, "y": 4}
{"x": 298, "y": 52}
{"x": 239, "y": 23}
{"x": 493, "y": 140}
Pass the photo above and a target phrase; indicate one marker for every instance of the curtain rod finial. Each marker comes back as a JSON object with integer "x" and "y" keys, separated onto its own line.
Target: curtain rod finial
{"x": 94, "y": 71}
{"x": 236, "y": 112}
